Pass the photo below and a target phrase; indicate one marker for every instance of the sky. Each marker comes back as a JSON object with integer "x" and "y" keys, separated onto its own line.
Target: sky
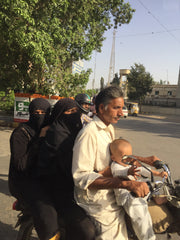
{"x": 152, "y": 38}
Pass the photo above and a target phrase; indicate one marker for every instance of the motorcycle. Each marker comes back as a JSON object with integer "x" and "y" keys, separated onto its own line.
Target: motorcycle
{"x": 170, "y": 199}
{"x": 26, "y": 225}
{"x": 163, "y": 200}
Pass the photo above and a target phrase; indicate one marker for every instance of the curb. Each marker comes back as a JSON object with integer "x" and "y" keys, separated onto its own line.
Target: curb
{"x": 4, "y": 123}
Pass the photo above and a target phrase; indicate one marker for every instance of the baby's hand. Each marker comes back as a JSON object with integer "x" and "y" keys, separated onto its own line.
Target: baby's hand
{"x": 163, "y": 174}
{"x": 133, "y": 171}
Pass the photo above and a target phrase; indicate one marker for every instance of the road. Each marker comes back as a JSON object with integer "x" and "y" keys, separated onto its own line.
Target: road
{"x": 148, "y": 135}
{"x": 153, "y": 135}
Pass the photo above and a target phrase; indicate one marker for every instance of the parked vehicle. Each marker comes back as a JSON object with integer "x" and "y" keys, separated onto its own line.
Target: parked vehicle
{"x": 133, "y": 108}
{"x": 125, "y": 112}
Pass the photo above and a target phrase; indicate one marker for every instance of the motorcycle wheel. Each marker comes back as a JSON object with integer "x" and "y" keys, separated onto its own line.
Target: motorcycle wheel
{"x": 25, "y": 231}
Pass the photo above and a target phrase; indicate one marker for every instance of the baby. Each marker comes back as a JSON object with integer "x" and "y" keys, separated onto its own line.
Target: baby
{"x": 136, "y": 208}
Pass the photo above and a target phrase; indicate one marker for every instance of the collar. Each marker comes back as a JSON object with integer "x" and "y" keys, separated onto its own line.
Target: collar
{"x": 102, "y": 125}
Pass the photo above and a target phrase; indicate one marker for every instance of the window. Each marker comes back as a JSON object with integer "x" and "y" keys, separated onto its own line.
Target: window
{"x": 169, "y": 93}
{"x": 156, "y": 93}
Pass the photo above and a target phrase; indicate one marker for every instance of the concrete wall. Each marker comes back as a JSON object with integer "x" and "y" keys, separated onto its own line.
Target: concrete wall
{"x": 160, "y": 110}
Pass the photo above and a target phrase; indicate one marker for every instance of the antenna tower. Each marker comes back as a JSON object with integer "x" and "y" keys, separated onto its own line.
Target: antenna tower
{"x": 112, "y": 61}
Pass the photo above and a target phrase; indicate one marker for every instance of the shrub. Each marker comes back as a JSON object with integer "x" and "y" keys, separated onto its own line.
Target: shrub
{"x": 7, "y": 101}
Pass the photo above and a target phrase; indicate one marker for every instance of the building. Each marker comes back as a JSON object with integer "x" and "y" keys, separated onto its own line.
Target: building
{"x": 165, "y": 95}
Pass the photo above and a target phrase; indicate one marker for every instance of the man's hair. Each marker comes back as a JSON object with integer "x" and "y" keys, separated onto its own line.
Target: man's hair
{"x": 106, "y": 95}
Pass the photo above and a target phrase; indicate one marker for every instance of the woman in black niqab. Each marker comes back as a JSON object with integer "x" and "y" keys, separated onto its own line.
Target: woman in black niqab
{"x": 55, "y": 156}
{"x": 55, "y": 163}
{"x": 37, "y": 119}
{"x": 28, "y": 190}
{"x": 22, "y": 140}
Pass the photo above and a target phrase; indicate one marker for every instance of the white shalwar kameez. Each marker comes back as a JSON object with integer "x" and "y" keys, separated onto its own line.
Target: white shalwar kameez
{"x": 91, "y": 154}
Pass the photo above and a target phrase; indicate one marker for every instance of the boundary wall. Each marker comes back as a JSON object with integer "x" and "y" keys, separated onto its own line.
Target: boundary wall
{"x": 160, "y": 110}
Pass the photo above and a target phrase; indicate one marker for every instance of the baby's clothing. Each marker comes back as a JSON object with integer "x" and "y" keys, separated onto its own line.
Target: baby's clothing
{"x": 136, "y": 208}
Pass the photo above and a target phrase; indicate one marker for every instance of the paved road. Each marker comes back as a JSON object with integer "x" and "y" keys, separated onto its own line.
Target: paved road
{"x": 148, "y": 135}
{"x": 7, "y": 216}
{"x": 153, "y": 135}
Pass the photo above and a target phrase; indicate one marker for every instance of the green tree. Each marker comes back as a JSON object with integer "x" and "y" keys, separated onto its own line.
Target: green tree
{"x": 7, "y": 101}
{"x": 92, "y": 92}
{"x": 139, "y": 82}
{"x": 41, "y": 38}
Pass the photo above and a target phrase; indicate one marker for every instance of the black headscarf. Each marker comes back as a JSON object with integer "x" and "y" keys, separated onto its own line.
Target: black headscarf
{"x": 37, "y": 121}
{"x": 71, "y": 121}
{"x": 61, "y": 106}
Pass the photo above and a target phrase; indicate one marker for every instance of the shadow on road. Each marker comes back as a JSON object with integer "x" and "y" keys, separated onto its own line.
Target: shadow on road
{"x": 3, "y": 175}
{"x": 4, "y": 187}
{"x": 151, "y": 124}
{"x": 7, "y": 232}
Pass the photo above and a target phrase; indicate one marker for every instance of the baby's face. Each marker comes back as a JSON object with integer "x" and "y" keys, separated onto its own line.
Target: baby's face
{"x": 121, "y": 152}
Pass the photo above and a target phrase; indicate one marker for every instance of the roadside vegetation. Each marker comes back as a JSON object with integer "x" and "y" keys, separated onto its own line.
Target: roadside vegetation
{"x": 7, "y": 102}
{"x": 41, "y": 39}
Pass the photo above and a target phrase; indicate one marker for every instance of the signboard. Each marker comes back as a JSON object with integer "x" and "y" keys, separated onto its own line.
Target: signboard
{"x": 21, "y": 109}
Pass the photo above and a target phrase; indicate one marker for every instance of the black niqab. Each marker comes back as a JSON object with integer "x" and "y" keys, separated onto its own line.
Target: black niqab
{"x": 37, "y": 121}
{"x": 60, "y": 107}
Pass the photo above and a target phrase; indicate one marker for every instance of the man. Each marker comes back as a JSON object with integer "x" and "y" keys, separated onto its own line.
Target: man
{"x": 93, "y": 188}
{"x": 83, "y": 101}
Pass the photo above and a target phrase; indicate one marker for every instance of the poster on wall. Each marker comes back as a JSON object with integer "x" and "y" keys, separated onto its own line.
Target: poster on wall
{"x": 21, "y": 109}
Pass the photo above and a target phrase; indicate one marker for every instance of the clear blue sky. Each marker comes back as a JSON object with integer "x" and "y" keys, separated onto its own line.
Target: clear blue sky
{"x": 152, "y": 38}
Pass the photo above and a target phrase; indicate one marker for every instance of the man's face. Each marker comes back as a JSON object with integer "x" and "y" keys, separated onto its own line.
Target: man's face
{"x": 112, "y": 112}
{"x": 86, "y": 106}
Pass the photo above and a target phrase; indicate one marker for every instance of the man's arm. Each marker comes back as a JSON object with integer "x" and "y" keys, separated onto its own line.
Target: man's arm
{"x": 148, "y": 160}
{"x": 140, "y": 189}
{"x": 106, "y": 172}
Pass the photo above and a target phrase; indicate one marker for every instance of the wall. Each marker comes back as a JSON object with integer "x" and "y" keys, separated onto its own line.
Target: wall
{"x": 160, "y": 110}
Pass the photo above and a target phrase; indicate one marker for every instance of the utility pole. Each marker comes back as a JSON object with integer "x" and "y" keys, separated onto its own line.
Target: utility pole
{"x": 112, "y": 61}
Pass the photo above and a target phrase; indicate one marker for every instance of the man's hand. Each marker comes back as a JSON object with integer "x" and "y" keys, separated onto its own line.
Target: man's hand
{"x": 140, "y": 189}
{"x": 163, "y": 174}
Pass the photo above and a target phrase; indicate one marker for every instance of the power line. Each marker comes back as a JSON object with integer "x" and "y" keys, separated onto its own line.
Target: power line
{"x": 147, "y": 33}
{"x": 157, "y": 20}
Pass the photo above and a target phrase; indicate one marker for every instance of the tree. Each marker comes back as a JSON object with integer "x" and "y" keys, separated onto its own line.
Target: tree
{"x": 41, "y": 38}
{"x": 116, "y": 80}
{"x": 101, "y": 83}
{"x": 92, "y": 92}
{"x": 139, "y": 82}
